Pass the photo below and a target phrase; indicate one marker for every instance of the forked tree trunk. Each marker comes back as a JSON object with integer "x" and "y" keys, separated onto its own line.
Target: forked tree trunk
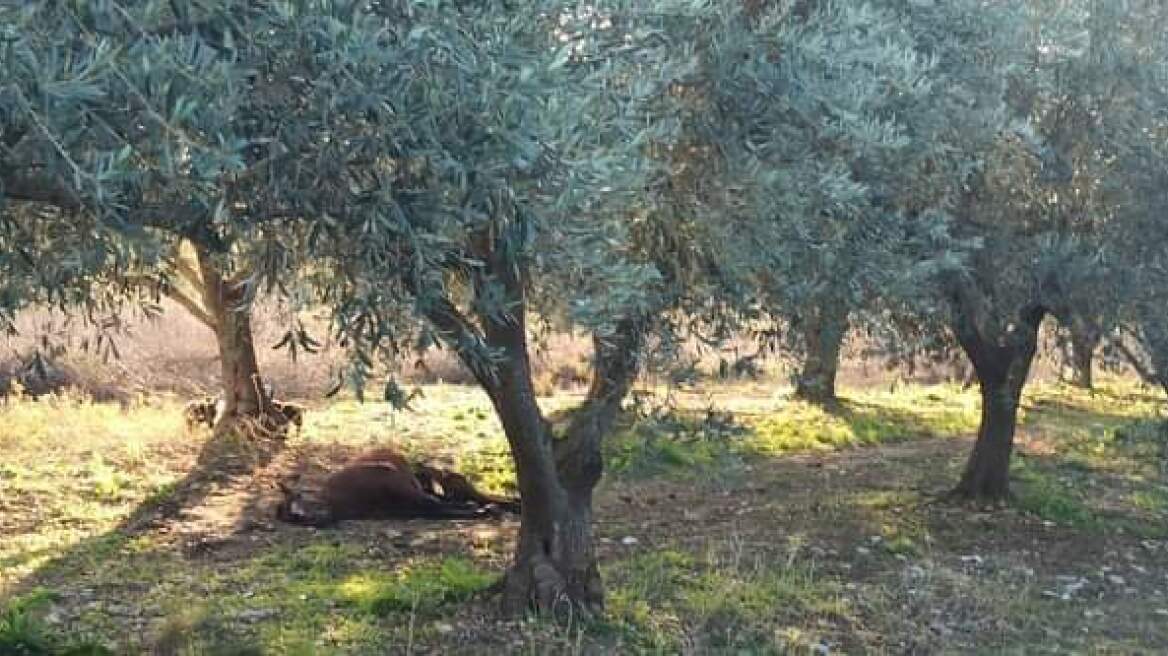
{"x": 1002, "y": 363}
{"x": 823, "y": 335}
{"x": 229, "y": 308}
{"x": 555, "y": 565}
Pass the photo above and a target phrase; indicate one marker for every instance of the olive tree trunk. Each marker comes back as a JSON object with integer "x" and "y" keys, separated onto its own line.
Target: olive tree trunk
{"x": 1001, "y": 359}
{"x": 823, "y": 335}
{"x": 555, "y": 566}
{"x": 1083, "y": 342}
{"x": 228, "y": 308}
{"x": 555, "y": 563}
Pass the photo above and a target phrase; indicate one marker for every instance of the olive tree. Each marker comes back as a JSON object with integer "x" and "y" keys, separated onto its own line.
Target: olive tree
{"x": 1028, "y": 192}
{"x": 155, "y": 123}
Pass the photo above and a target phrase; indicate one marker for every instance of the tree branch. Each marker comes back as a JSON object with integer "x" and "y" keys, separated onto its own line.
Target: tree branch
{"x": 616, "y": 363}
{"x": 187, "y": 272}
{"x": 458, "y": 332}
{"x": 191, "y": 306}
{"x": 166, "y": 217}
{"x": 1145, "y": 372}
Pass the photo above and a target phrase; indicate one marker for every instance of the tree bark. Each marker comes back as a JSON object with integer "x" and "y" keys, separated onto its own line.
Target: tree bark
{"x": 229, "y": 305}
{"x": 1083, "y": 341}
{"x": 1001, "y": 359}
{"x": 987, "y": 473}
{"x": 555, "y": 567}
{"x": 823, "y": 335}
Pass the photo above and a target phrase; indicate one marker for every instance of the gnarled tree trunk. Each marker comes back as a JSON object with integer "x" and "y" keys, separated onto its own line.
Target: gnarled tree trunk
{"x": 1001, "y": 359}
{"x": 555, "y": 562}
{"x": 823, "y": 335}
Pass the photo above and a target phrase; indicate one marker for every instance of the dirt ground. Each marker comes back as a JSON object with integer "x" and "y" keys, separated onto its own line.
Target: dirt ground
{"x": 844, "y": 549}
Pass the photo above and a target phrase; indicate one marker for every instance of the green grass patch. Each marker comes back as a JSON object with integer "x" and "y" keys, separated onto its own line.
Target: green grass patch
{"x": 645, "y": 451}
{"x": 658, "y": 601}
{"x": 688, "y": 440}
{"x": 1153, "y": 500}
{"x": 24, "y": 633}
{"x": 418, "y": 588}
{"x": 1039, "y": 491}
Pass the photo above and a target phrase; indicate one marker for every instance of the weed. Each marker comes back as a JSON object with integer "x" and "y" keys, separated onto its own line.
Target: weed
{"x": 425, "y": 587}
{"x": 23, "y": 634}
{"x": 1040, "y": 492}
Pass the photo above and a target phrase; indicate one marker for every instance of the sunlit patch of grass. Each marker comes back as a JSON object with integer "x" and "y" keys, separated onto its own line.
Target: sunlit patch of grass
{"x": 451, "y": 425}
{"x": 901, "y": 532}
{"x": 662, "y": 600}
{"x": 771, "y": 427}
{"x": 419, "y": 588}
{"x": 876, "y": 416}
{"x": 320, "y": 597}
{"x": 647, "y": 451}
{"x": 106, "y": 482}
{"x": 75, "y": 422}
{"x": 82, "y": 465}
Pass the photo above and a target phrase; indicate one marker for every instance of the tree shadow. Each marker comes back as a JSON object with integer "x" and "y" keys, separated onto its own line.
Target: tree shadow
{"x": 173, "y": 579}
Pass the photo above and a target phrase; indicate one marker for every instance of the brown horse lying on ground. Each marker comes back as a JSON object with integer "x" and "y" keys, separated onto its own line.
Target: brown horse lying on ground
{"x": 382, "y": 484}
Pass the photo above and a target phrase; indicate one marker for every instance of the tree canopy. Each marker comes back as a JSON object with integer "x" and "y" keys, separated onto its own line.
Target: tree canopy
{"x": 440, "y": 173}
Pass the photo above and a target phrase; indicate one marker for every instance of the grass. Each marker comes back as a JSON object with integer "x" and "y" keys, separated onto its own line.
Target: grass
{"x": 691, "y": 439}
{"x": 22, "y": 633}
{"x": 661, "y": 600}
{"x": 733, "y": 520}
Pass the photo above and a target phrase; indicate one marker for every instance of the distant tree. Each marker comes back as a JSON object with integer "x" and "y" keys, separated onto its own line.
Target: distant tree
{"x": 1039, "y": 204}
{"x": 794, "y": 134}
{"x": 163, "y": 126}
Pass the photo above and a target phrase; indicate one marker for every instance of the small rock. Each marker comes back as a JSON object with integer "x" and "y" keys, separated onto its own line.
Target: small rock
{"x": 628, "y": 540}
